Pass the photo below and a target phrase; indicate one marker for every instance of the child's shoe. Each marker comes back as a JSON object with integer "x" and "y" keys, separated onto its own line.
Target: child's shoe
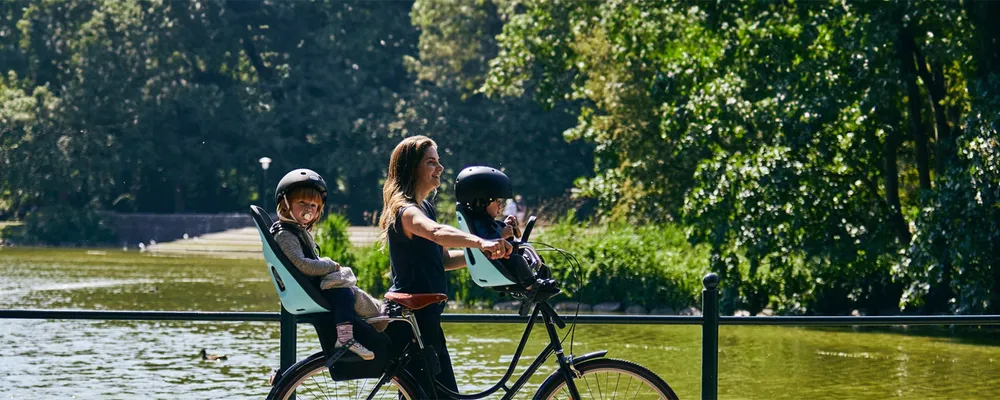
{"x": 358, "y": 349}
{"x": 345, "y": 338}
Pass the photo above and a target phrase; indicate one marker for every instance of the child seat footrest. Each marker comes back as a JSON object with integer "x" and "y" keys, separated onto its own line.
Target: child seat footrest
{"x": 339, "y": 353}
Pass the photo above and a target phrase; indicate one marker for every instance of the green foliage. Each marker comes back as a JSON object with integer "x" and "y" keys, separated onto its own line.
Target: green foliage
{"x": 957, "y": 241}
{"x": 829, "y": 155}
{"x": 515, "y": 134}
{"x": 788, "y": 136}
{"x": 167, "y": 108}
{"x": 62, "y": 225}
{"x": 372, "y": 269}
{"x": 651, "y": 265}
{"x": 332, "y": 238}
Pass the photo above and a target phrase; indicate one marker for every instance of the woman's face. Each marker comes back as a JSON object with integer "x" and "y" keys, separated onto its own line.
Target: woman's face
{"x": 429, "y": 171}
{"x": 305, "y": 211}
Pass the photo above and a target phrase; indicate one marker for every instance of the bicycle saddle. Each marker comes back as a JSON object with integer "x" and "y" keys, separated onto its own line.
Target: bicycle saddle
{"x": 416, "y": 301}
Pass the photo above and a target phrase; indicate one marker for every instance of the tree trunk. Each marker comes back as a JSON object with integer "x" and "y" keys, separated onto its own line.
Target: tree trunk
{"x": 891, "y": 178}
{"x": 940, "y": 294}
{"x": 265, "y": 76}
{"x": 944, "y": 139}
{"x": 986, "y": 34}
{"x": 907, "y": 57}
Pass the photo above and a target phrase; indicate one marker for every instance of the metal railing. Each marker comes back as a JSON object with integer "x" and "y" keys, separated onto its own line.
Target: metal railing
{"x": 710, "y": 320}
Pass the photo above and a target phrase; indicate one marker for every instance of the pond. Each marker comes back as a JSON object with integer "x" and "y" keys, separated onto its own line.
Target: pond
{"x": 160, "y": 359}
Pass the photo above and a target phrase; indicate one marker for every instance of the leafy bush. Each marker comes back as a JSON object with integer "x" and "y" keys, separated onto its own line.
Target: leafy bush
{"x": 331, "y": 236}
{"x": 370, "y": 264}
{"x": 62, "y": 225}
{"x": 650, "y": 265}
{"x": 372, "y": 269}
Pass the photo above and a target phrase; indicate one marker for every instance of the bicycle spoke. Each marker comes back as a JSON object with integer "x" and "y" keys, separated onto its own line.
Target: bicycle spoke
{"x": 597, "y": 381}
{"x": 628, "y": 386}
{"x": 587, "y": 382}
{"x": 326, "y": 385}
{"x": 637, "y": 390}
{"x": 617, "y": 380}
{"x": 610, "y": 379}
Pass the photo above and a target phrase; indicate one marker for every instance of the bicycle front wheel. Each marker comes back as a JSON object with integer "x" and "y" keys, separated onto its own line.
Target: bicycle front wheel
{"x": 608, "y": 378}
{"x": 311, "y": 380}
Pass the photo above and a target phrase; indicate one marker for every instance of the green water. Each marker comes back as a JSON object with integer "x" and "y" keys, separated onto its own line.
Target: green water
{"x": 159, "y": 359}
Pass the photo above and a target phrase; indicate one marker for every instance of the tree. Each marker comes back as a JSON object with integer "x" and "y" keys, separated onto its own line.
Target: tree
{"x": 457, "y": 40}
{"x": 788, "y": 131}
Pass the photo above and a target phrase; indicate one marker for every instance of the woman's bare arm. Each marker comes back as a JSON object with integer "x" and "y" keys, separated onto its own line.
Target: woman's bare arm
{"x": 415, "y": 223}
{"x": 454, "y": 259}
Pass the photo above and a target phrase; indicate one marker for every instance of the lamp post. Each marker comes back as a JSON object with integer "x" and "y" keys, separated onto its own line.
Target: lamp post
{"x": 265, "y": 162}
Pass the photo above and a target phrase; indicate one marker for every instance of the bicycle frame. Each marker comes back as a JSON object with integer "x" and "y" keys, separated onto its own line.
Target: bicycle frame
{"x": 549, "y": 317}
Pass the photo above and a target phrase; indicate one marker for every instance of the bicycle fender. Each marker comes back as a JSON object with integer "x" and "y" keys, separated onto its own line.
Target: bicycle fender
{"x": 593, "y": 354}
{"x": 556, "y": 374}
{"x": 281, "y": 373}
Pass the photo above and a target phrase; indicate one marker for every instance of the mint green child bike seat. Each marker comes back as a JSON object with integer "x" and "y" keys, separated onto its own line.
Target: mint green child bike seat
{"x": 298, "y": 294}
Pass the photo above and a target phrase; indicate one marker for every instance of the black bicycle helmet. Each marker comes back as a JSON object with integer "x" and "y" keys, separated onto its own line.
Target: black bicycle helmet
{"x": 476, "y": 183}
{"x": 299, "y": 178}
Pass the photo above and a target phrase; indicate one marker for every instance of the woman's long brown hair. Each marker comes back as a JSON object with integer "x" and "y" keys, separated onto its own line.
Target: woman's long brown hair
{"x": 400, "y": 183}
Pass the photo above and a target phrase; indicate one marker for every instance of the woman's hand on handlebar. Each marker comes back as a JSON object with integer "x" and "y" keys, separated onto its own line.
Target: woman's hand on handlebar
{"x": 495, "y": 249}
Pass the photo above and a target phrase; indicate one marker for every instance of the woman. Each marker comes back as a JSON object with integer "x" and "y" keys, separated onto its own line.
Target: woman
{"x": 418, "y": 245}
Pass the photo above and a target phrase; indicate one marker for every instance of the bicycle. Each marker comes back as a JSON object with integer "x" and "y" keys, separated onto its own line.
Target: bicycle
{"x": 587, "y": 376}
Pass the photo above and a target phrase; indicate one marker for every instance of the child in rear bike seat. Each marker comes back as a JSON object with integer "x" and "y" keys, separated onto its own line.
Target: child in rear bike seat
{"x": 300, "y": 197}
{"x": 480, "y": 192}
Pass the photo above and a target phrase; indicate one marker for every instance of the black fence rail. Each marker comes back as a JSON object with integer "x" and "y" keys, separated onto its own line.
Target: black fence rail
{"x": 710, "y": 322}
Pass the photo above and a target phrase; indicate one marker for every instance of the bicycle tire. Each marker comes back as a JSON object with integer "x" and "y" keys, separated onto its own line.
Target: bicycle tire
{"x": 608, "y": 378}
{"x": 311, "y": 380}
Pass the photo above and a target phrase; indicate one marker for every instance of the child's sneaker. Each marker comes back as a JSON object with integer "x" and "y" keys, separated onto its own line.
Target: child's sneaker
{"x": 358, "y": 349}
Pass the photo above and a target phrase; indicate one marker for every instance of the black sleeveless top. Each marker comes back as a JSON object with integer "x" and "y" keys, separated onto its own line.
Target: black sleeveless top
{"x": 417, "y": 264}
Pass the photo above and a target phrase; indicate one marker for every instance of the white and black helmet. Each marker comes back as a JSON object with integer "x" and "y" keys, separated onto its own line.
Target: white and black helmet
{"x": 482, "y": 183}
{"x": 300, "y": 178}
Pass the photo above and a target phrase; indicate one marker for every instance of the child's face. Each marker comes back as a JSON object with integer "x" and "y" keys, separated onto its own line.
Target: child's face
{"x": 305, "y": 210}
{"x": 495, "y": 208}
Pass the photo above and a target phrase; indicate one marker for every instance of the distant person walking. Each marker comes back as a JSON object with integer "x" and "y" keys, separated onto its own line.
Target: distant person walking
{"x": 520, "y": 209}
{"x": 510, "y": 208}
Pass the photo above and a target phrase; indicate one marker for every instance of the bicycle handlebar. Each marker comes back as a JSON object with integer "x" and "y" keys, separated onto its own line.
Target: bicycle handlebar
{"x": 527, "y": 229}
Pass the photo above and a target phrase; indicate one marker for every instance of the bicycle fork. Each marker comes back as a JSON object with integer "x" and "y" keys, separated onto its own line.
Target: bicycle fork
{"x": 565, "y": 363}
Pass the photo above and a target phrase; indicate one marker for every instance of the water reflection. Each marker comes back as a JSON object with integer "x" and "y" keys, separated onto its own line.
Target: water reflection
{"x": 160, "y": 359}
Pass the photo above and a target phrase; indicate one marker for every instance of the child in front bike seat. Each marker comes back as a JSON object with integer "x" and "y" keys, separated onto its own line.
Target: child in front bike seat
{"x": 480, "y": 192}
{"x": 300, "y": 197}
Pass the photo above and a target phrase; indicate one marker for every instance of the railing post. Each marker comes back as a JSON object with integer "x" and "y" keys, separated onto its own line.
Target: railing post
{"x": 287, "y": 332}
{"x": 710, "y": 338}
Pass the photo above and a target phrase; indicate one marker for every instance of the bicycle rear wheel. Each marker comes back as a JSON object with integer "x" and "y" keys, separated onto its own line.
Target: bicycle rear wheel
{"x": 608, "y": 378}
{"x": 311, "y": 380}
